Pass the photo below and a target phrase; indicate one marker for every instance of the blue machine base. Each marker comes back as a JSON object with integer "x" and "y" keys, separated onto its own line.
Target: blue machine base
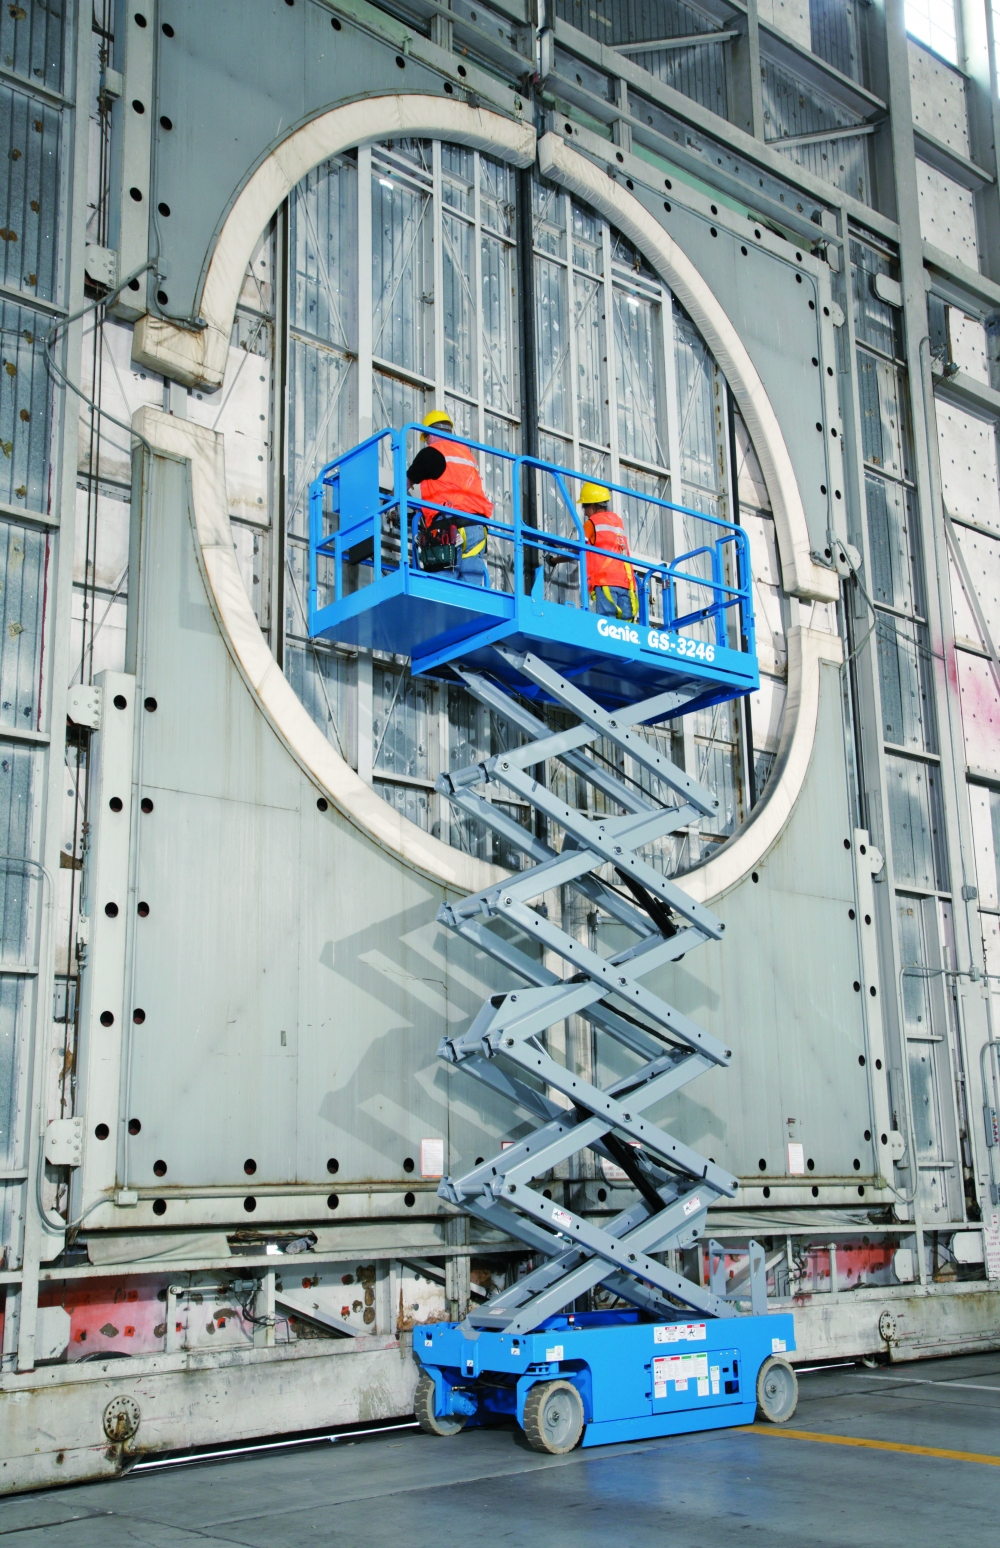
{"x": 439, "y": 621}
{"x": 636, "y": 1378}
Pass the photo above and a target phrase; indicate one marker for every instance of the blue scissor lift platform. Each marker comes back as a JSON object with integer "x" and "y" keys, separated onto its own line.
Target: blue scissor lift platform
{"x": 663, "y": 1354}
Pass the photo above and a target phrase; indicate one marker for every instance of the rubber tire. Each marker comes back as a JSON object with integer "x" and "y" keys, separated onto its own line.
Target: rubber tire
{"x": 535, "y": 1406}
{"x": 428, "y": 1419}
{"x": 777, "y": 1390}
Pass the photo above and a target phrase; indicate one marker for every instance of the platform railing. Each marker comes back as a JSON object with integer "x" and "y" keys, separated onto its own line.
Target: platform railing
{"x": 371, "y": 520}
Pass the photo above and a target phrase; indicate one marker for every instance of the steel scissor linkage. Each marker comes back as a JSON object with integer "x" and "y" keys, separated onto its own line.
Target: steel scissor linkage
{"x": 506, "y": 1046}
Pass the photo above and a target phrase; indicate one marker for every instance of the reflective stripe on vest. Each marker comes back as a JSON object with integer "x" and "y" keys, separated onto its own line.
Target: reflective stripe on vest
{"x": 459, "y": 486}
{"x": 609, "y": 533}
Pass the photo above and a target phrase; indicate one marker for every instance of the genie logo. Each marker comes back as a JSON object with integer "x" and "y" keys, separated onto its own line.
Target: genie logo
{"x": 623, "y": 632}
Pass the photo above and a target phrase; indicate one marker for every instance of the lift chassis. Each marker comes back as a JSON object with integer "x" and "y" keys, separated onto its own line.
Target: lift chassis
{"x": 610, "y": 1374}
{"x": 602, "y": 1338}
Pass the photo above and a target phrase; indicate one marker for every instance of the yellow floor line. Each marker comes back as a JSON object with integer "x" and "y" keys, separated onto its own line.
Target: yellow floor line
{"x": 873, "y": 1445}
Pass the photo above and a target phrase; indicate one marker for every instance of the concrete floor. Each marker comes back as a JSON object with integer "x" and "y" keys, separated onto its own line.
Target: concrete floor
{"x": 699, "y": 1491}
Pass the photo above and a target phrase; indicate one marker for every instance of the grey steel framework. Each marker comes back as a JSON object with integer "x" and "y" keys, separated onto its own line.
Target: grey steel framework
{"x": 675, "y": 1184}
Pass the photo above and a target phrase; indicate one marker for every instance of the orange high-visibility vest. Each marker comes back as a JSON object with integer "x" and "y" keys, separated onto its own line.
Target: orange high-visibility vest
{"x": 605, "y": 529}
{"x": 459, "y": 485}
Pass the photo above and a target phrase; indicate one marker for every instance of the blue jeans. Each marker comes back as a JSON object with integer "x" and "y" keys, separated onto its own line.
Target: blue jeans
{"x": 612, "y": 601}
{"x": 471, "y": 571}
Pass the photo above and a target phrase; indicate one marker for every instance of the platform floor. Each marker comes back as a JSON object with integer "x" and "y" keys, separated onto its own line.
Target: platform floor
{"x": 846, "y": 1484}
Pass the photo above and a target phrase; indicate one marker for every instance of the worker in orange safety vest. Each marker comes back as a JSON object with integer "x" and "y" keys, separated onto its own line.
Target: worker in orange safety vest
{"x": 610, "y": 582}
{"x": 448, "y": 474}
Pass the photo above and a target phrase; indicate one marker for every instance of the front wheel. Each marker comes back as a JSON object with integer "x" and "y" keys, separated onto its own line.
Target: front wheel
{"x": 777, "y": 1390}
{"x": 553, "y": 1417}
{"x": 429, "y": 1420}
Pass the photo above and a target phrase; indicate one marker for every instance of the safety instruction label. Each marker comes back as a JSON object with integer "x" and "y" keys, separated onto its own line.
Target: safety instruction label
{"x": 680, "y": 1369}
{"x": 555, "y": 1353}
{"x": 680, "y": 1333}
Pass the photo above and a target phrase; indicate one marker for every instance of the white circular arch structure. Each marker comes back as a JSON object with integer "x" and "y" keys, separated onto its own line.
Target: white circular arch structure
{"x": 198, "y": 360}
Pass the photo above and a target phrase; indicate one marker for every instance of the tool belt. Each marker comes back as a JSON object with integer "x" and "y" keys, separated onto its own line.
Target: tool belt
{"x": 440, "y": 556}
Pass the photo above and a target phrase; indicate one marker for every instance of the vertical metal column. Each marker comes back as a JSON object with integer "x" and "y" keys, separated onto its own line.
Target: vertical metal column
{"x": 506, "y": 1047}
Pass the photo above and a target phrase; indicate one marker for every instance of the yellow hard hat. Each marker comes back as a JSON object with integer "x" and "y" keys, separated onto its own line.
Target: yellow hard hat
{"x": 594, "y": 494}
{"x": 438, "y": 417}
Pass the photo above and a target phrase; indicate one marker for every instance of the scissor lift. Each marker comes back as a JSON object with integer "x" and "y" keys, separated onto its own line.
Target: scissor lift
{"x": 673, "y": 1355}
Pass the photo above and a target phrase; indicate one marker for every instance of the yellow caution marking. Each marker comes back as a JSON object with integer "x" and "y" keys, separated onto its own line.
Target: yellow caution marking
{"x": 872, "y": 1445}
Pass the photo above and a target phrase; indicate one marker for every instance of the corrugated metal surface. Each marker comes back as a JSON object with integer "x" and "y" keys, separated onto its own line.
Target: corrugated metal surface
{"x": 892, "y": 537}
{"x": 32, "y": 40}
{"x": 12, "y": 996}
{"x": 915, "y": 825}
{"x": 18, "y": 885}
{"x": 875, "y": 322}
{"x": 791, "y": 107}
{"x": 23, "y": 561}
{"x": 25, "y": 408}
{"x": 698, "y": 72}
{"x": 833, "y": 24}
{"x": 885, "y": 435}
{"x": 29, "y": 192}
{"x": 904, "y": 675}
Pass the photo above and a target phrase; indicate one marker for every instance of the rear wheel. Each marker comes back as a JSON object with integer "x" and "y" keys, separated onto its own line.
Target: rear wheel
{"x": 431, "y": 1422}
{"x": 553, "y": 1417}
{"x": 777, "y": 1390}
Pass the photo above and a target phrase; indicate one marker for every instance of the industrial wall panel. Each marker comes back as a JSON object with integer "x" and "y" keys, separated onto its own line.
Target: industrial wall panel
{"x": 789, "y": 16}
{"x": 982, "y": 562}
{"x": 793, "y": 106}
{"x": 14, "y": 1000}
{"x": 947, "y": 215}
{"x": 834, "y": 37}
{"x": 893, "y": 544}
{"x": 904, "y": 659}
{"x": 261, "y": 82}
{"x": 984, "y": 809}
{"x": 969, "y": 345}
{"x": 916, "y": 826}
{"x": 33, "y": 40}
{"x": 777, "y": 308}
{"x": 937, "y": 98}
{"x": 790, "y": 1013}
{"x": 980, "y": 700}
{"x": 294, "y": 1014}
{"x": 875, "y": 321}
{"x": 699, "y": 72}
{"x": 29, "y": 192}
{"x": 24, "y": 554}
{"x": 967, "y": 447}
{"x": 25, "y": 408}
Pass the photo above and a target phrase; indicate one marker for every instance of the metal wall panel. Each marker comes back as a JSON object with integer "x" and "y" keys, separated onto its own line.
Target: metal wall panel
{"x": 904, "y": 659}
{"x": 834, "y": 34}
{"x": 947, "y": 215}
{"x": 980, "y": 703}
{"x": 24, "y": 554}
{"x": 982, "y": 561}
{"x": 793, "y": 107}
{"x": 32, "y": 41}
{"x": 25, "y": 408}
{"x": 916, "y": 833}
{"x": 790, "y": 1013}
{"x": 967, "y": 447}
{"x": 29, "y": 192}
{"x": 937, "y": 98}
